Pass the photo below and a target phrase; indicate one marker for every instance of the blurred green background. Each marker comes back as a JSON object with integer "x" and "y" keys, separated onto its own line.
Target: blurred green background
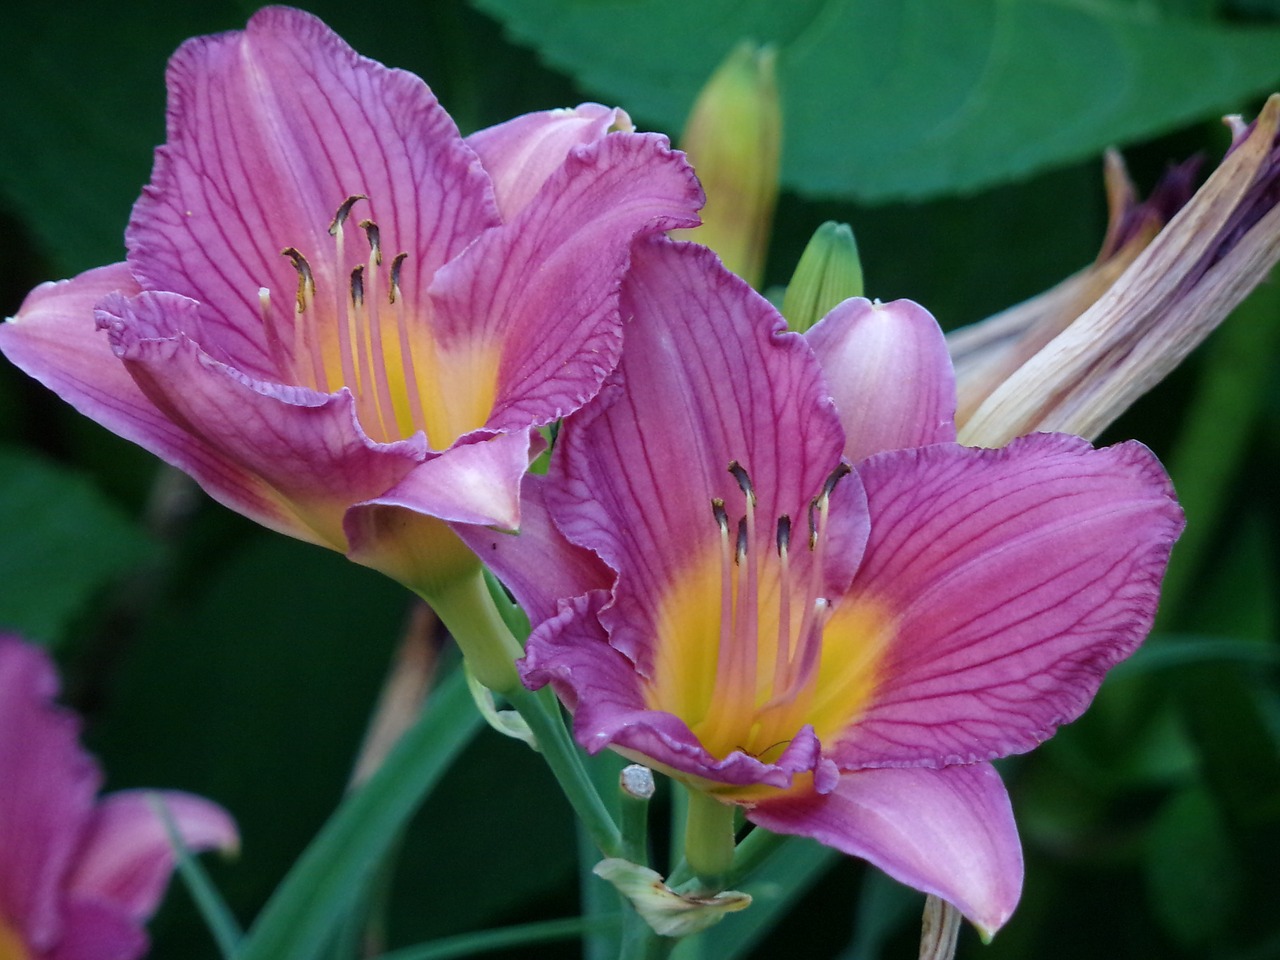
{"x": 962, "y": 141}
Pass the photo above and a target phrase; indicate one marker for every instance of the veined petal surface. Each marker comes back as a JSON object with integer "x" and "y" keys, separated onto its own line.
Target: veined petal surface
{"x": 708, "y": 376}
{"x": 543, "y": 291}
{"x": 889, "y": 373}
{"x": 947, "y": 832}
{"x": 54, "y": 339}
{"x": 270, "y": 129}
{"x": 1013, "y": 579}
{"x": 520, "y": 154}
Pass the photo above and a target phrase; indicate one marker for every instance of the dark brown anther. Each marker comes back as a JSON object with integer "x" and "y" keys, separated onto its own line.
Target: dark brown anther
{"x": 784, "y": 534}
{"x": 838, "y": 474}
{"x": 741, "y": 553}
{"x": 396, "y": 264}
{"x": 375, "y": 240}
{"x": 306, "y": 283}
{"x": 357, "y": 285}
{"x": 344, "y": 211}
{"x": 722, "y": 518}
{"x": 744, "y": 481}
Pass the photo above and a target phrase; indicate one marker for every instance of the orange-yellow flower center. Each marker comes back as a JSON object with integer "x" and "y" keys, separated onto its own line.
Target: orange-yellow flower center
{"x": 749, "y": 649}
{"x": 11, "y": 945}
{"x": 355, "y": 325}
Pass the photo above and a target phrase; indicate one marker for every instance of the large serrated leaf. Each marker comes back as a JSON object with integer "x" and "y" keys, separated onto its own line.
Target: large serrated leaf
{"x": 919, "y": 97}
{"x": 60, "y": 542}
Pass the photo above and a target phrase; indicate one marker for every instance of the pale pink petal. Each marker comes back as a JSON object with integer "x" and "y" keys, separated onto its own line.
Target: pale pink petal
{"x": 709, "y": 376}
{"x": 54, "y": 339}
{"x": 47, "y": 787}
{"x": 1009, "y": 582}
{"x": 307, "y": 447}
{"x": 521, "y": 154}
{"x": 889, "y": 373}
{"x": 543, "y": 289}
{"x": 947, "y": 832}
{"x": 94, "y": 930}
{"x": 537, "y": 564}
{"x": 269, "y": 130}
{"x": 126, "y": 857}
{"x": 469, "y": 483}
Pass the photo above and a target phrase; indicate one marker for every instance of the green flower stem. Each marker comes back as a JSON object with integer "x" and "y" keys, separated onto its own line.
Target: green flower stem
{"x": 709, "y": 840}
{"x": 756, "y": 848}
{"x": 467, "y": 609}
{"x": 541, "y": 711}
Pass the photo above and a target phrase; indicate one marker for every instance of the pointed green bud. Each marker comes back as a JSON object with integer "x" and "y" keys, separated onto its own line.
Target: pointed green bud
{"x": 829, "y": 271}
{"x": 734, "y": 140}
{"x": 670, "y": 914}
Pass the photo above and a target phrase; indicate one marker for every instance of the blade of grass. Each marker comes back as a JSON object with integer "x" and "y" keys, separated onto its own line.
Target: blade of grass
{"x": 525, "y": 934}
{"x": 338, "y": 866}
{"x": 213, "y": 909}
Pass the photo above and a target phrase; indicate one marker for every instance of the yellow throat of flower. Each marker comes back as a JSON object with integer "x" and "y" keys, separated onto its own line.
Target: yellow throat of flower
{"x": 367, "y": 334}
{"x": 748, "y": 650}
{"x": 11, "y": 943}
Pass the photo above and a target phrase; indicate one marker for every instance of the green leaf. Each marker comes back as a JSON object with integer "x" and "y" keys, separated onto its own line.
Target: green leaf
{"x": 332, "y": 874}
{"x": 217, "y": 915}
{"x": 60, "y": 542}
{"x": 526, "y": 934}
{"x": 1193, "y": 874}
{"x": 789, "y": 867}
{"x": 920, "y": 97}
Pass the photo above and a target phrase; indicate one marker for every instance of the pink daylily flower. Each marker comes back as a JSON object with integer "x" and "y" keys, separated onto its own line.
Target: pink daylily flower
{"x": 79, "y": 875}
{"x": 833, "y": 618}
{"x": 340, "y": 316}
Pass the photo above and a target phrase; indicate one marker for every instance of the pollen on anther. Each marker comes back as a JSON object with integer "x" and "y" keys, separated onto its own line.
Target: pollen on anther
{"x": 744, "y": 481}
{"x": 344, "y": 211}
{"x": 394, "y": 287}
{"x": 784, "y": 534}
{"x": 720, "y": 515}
{"x": 375, "y": 240}
{"x": 306, "y": 282}
{"x": 357, "y": 285}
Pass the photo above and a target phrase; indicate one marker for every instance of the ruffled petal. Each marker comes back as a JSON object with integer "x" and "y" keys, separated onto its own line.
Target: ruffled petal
{"x": 126, "y": 858}
{"x": 521, "y": 154}
{"x": 270, "y": 129}
{"x": 542, "y": 291}
{"x": 571, "y": 651}
{"x": 53, "y": 338}
{"x": 1006, "y": 583}
{"x": 889, "y": 373}
{"x": 538, "y": 565}
{"x": 307, "y": 447}
{"x": 47, "y": 789}
{"x": 947, "y": 832}
{"x": 709, "y": 376}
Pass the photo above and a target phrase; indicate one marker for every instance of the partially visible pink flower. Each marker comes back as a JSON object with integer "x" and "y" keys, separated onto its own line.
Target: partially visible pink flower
{"x": 829, "y": 614}
{"x": 79, "y": 874}
{"x": 341, "y": 317}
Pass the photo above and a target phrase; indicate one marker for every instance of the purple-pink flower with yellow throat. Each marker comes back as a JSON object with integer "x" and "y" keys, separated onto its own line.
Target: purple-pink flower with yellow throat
{"x": 341, "y": 317}
{"x": 832, "y": 618}
{"x": 79, "y": 875}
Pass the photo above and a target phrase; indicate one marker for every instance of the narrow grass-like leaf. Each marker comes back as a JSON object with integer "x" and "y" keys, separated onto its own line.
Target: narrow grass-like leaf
{"x": 217, "y": 915}
{"x": 335, "y": 871}
{"x": 526, "y": 934}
